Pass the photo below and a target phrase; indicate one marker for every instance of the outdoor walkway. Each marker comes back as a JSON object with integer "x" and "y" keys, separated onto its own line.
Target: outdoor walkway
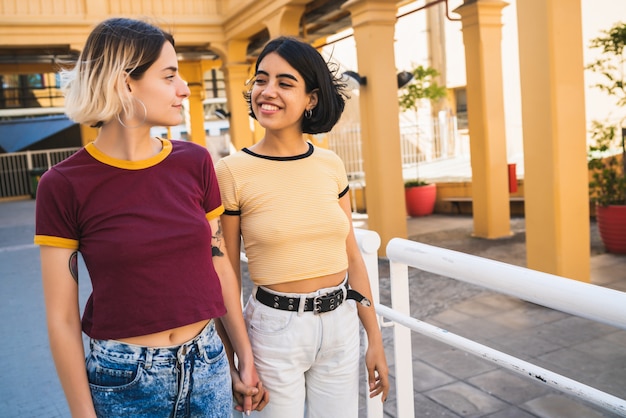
{"x": 447, "y": 382}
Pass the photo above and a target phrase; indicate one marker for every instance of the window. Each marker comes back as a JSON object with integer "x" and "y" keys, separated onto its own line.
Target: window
{"x": 460, "y": 98}
{"x": 30, "y": 90}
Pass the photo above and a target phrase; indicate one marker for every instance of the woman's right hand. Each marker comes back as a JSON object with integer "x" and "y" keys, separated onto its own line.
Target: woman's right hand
{"x": 248, "y": 398}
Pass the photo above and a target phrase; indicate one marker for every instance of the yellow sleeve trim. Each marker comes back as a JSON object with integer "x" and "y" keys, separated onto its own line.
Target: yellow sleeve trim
{"x": 215, "y": 212}
{"x": 72, "y": 244}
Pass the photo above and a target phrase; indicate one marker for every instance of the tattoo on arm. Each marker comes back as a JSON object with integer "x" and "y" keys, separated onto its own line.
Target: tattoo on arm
{"x": 73, "y": 265}
{"x": 216, "y": 241}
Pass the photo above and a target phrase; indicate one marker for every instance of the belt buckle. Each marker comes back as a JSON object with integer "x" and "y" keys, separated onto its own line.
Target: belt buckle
{"x": 317, "y": 304}
{"x": 334, "y": 300}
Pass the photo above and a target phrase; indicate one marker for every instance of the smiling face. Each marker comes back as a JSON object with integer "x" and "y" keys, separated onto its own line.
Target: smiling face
{"x": 278, "y": 96}
{"x": 161, "y": 90}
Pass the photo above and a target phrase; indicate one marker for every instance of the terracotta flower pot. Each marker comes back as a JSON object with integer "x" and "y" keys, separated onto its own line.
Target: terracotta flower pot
{"x": 420, "y": 200}
{"x": 612, "y": 227}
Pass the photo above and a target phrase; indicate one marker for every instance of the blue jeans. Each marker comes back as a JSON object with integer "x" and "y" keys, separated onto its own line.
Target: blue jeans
{"x": 190, "y": 380}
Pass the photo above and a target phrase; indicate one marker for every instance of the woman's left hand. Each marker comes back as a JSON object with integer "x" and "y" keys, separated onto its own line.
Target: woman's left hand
{"x": 377, "y": 371}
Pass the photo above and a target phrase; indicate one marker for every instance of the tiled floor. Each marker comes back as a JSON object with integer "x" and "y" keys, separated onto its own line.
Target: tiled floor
{"x": 447, "y": 382}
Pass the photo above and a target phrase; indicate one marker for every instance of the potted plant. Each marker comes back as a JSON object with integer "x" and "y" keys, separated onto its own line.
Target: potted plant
{"x": 420, "y": 195}
{"x": 607, "y": 186}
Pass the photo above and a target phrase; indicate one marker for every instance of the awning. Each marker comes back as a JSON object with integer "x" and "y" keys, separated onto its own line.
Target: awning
{"x": 18, "y": 134}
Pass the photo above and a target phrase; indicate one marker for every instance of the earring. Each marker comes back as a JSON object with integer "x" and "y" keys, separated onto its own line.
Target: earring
{"x": 308, "y": 113}
{"x": 145, "y": 115}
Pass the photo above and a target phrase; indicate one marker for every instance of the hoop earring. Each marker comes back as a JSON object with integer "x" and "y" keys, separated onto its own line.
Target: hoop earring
{"x": 308, "y": 113}
{"x": 145, "y": 115}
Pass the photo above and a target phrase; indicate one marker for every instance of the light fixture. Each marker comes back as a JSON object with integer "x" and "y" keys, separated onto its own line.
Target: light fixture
{"x": 404, "y": 78}
{"x": 221, "y": 114}
{"x": 354, "y": 80}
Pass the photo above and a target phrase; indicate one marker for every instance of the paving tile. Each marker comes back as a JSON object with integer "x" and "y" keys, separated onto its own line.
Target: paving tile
{"x": 524, "y": 344}
{"x": 517, "y": 319}
{"x": 605, "y": 348}
{"x": 500, "y": 301}
{"x": 476, "y": 308}
{"x": 425, "y": 407}
{"x": 466, "y": 400}
{"x": 509, "y": 387}
{"x": 481, "y": 329}
{"x": 426, "y": 377}
{"x": 618, "y": 338}
{"x": 560, "y": 406}
{"x": 511, "y": 412}
{"x": 448, "y": 317}
{"x": 459, "y": 364}
{"x": 574, "y": 330}
{"x": 423, "y": 345}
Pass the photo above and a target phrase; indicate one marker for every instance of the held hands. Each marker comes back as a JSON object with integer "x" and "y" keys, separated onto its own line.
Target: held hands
{"x": 249, "y": 397}
{"x": 377, "y": 371}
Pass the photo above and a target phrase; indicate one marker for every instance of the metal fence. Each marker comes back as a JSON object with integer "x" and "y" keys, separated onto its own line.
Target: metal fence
{"x": 565, "y": 295}
{"x": 429, "y": 140}
{"x": 19, "y": 171}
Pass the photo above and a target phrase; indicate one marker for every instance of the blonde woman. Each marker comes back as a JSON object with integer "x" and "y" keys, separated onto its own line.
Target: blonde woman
{"x": 144, "y": 214}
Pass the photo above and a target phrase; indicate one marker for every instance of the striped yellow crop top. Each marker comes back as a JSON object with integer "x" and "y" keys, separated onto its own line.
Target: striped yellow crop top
{"x": 292, "y": 225}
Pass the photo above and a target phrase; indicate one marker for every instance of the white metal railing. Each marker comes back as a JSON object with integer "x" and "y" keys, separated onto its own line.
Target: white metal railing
{"x": 552, "y": 291}
{"x": 429, "y": 139}
{"x": 566, "y": 295}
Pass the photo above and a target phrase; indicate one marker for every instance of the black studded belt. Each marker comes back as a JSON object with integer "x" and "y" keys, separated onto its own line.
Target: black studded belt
{"x": 318, "y": 304}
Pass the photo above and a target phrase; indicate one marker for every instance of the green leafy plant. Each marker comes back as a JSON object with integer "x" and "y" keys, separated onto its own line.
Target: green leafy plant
{"x": 415, "y": 183}
{"x": 608, "y": 182}
{"x": 423, "y": 86}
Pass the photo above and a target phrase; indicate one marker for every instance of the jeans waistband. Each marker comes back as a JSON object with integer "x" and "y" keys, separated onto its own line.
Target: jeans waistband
{"x": 132, "y": 352}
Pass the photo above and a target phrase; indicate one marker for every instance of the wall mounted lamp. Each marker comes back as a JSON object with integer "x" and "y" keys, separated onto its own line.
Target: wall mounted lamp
{"x": 221, "y": 114}
{"x": 354, "y": 80}
{"x": 404, "y": 78}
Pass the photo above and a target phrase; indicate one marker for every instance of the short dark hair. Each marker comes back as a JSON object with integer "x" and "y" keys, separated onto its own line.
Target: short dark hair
{"x": 317, "y": 74}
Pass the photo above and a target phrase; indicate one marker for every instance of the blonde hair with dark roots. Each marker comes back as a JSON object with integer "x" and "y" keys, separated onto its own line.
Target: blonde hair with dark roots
{"x": 95, "y": 88}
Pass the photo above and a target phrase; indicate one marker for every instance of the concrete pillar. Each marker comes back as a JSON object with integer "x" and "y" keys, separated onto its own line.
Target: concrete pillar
{"x": 553, "y": 113}
{"x": 285, "y": 21}
{"x": 191, "y": 71}
{"x": 374, "y": 26}
{"x": 236, "y": 72}
{"x": 88, "y": 134}
{"x": 482, "y": 36}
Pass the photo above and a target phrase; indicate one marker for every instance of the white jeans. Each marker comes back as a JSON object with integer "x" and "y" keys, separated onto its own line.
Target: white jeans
{"x": 309, "y": 363}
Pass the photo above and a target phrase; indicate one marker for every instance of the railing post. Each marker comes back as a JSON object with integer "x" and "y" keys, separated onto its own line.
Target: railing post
{"x": 369, "y": 243}
{"x": 403, "y": 352}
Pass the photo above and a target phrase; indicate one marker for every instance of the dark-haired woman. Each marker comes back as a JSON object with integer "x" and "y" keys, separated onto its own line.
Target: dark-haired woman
{"x": 289, "y": 201}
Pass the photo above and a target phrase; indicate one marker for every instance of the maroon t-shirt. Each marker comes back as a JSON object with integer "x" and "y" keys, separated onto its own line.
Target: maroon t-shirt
{"x": 142, "y": 229}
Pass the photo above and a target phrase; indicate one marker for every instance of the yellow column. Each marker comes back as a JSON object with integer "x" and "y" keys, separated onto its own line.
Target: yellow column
{"x": 553, "y": 111}
{"x": 191, "y": 71}
{"x": 285, "y": 21}
{"x": 88, "y": 134}
{"x": 374, "y": 27}
{"x": 236, "y": 73}
{"x": 482, "y": 36}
